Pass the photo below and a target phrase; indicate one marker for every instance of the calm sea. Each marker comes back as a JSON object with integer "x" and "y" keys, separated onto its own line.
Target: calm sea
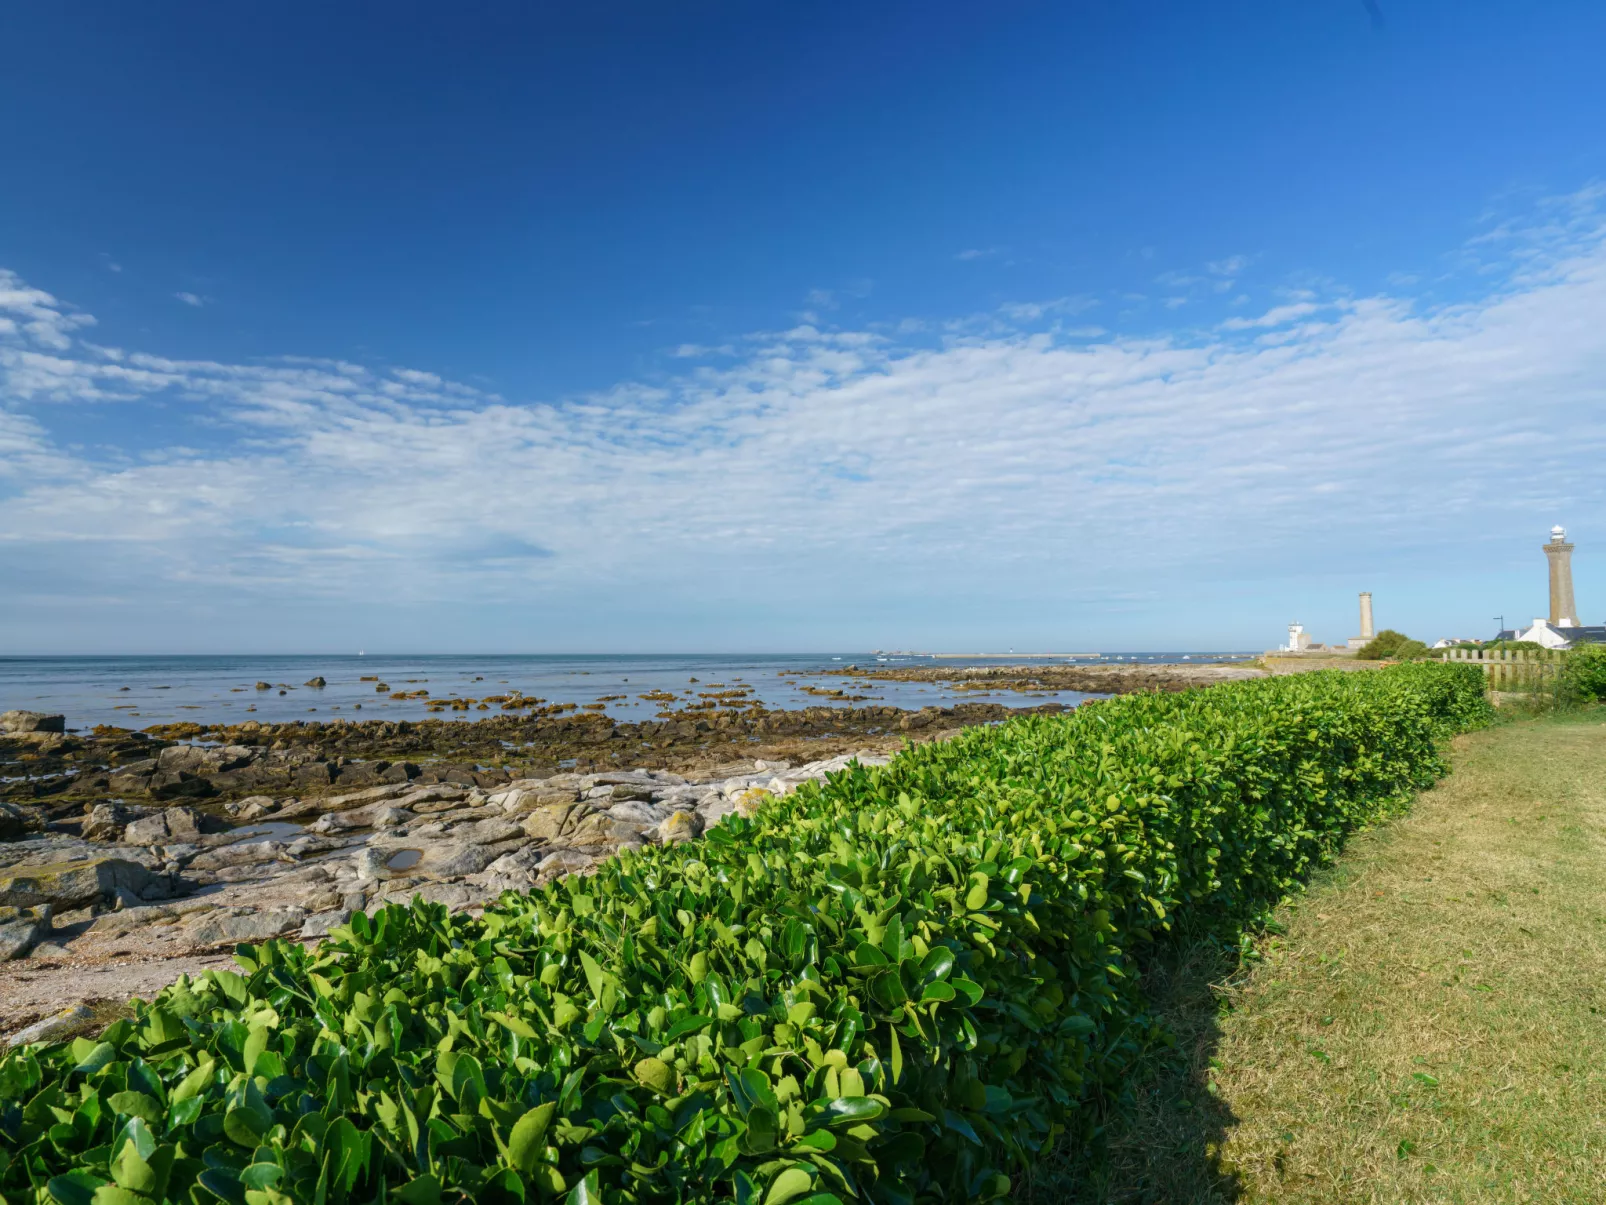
{"x": 136, "y": 692}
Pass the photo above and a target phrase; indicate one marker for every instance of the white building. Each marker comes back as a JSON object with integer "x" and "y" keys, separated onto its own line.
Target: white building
{"x": 1543, "y": 634}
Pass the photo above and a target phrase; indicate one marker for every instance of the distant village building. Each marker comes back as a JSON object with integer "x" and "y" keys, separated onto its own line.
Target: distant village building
{"x": 1298, "y": 639}
{"x": 1561, "y": 629}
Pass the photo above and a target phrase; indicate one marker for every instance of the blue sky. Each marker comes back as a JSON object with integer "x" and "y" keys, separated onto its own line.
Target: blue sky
{"x": 769, "y": 326}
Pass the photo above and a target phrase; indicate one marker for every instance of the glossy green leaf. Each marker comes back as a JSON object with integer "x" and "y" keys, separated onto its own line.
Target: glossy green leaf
{"x": 657, "y": 1075}
{"x": 792, "y": 1183}
{"x": 587, "y": 1192}
{"x": 195, "y": 1081}
{"x": 529, "y": 1133}
{"x": 135, "y": 1104}
{"x": 976, "y": 897}
{"x": 75, "y": 1187}
{"x": 96, "y": 1058}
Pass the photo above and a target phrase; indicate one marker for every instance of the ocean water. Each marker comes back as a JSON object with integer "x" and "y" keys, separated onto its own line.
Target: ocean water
{"x": 137, "y": 692}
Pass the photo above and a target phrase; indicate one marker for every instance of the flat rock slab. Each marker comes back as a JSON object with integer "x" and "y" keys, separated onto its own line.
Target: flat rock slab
{"x": 60, "y": 1023}
{"x": 245, "y": 924}
{"x": 67, "y": 885}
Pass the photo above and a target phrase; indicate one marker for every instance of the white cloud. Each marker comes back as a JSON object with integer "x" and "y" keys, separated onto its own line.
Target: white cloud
{"x": 191, "y": 299}
{"x": 40, "y": 316}
{"x": 1276, "y": 316}
{"x": 834, "y": 463}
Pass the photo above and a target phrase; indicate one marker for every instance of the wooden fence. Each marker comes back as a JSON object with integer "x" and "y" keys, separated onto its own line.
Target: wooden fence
{"x": 1512, "y": 669}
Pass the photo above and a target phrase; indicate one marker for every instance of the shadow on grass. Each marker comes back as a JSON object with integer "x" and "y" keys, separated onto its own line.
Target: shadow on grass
{"x": 1157, "y": 1142}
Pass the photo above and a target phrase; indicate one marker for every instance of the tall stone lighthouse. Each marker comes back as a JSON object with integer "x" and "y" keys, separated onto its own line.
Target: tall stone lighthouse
{"x": 1365, "y": 638}
{"x": 1563, "y": 611}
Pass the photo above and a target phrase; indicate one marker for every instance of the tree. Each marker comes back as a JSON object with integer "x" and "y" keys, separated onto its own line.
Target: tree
{"x": 1389, "y": 645}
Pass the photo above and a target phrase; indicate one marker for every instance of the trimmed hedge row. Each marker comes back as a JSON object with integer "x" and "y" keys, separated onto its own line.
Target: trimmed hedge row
{"x": 898, "y": 987}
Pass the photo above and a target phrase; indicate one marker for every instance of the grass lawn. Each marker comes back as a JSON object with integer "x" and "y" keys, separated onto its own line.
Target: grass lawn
{"x": 1428, "y": 1024}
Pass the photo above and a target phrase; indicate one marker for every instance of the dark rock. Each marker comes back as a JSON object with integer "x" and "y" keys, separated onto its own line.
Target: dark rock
{"x": 316, "y": 683}
{"x": 196, "y": 760}
{"x": 261, "y": 776}
{"x": 315, "y": 774}
{"x": 358, "y": 774}
{"x": 14, "y": 821}
{"x": 182, "y": 785}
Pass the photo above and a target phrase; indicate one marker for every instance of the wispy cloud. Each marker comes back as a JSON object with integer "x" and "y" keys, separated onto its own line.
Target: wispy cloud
{"x": 1031, "y": 311}
{"x": 194, "y": 299}
{"x": 1276, "y": 316}
{"x": 36, "y": 316}
{"x": 826, "y": 459}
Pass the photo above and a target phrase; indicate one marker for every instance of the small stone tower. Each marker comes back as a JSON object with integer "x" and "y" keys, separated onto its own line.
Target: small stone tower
{"x": 1563, "y": 611}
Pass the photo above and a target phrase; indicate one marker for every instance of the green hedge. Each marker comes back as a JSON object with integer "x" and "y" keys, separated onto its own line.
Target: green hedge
{"x": 901, "y": 986}
{"x": 1584, "y": 673}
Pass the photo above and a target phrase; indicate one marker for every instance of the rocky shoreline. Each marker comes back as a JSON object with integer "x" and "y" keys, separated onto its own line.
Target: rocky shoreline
{"x": 126, "y": 856}
{"x": 60, "y": 772}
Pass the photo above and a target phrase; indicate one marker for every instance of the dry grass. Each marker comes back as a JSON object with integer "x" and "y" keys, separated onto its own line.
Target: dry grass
{"x": 1428, "y": 1025}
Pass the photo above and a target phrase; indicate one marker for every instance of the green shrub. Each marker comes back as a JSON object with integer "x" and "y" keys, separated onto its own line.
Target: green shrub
{"x": 1584, "y": 673}
{"x": 1514, "y": 646}
{"x": 1389, "y": 645}
{"x": 901, "y": 986}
